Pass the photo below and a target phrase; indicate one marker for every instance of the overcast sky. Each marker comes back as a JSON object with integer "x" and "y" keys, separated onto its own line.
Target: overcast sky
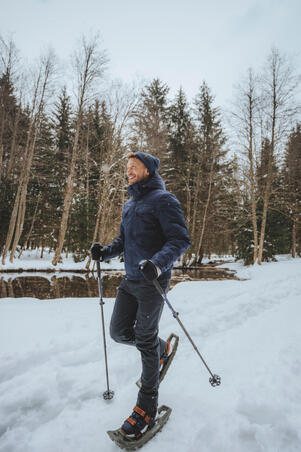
{"x": 182, "y": 42}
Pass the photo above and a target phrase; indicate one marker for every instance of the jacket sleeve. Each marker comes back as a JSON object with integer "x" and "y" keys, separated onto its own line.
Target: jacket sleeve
{"x": 174, "y": 229}
{"x": 116, "y": 247}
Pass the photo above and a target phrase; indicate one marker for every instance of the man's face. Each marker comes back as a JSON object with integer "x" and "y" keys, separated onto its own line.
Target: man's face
{"x": 136, "y": 171}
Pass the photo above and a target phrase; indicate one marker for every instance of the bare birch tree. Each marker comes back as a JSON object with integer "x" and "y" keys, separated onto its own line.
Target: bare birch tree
{"x": 40, "y": 86}
{"x": 89, "y": 62}
{"x": 244, "y": 121}
{"x": 279, "y": 85}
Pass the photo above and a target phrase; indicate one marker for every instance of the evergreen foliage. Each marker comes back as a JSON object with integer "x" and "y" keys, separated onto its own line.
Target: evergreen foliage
{"x": 180, "y": 147}
{"x": 291, "y": 188}
{"x": 149, "y": 121}
{"x": 211, "y": 175}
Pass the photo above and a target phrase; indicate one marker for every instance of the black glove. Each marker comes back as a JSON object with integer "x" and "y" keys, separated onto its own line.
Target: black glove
{"x": 97, "y": 252}
{"x": 149, "y": 270}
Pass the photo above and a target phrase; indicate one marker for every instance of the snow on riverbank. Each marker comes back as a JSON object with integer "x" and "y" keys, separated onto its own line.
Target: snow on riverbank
{"x": 52, "y": 371}
{"x": 31, "y": 260}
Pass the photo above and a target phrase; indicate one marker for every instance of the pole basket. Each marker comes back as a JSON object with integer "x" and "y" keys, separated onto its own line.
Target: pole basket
{"x": 108, "y": 395}
{"x": 215, "y": 380}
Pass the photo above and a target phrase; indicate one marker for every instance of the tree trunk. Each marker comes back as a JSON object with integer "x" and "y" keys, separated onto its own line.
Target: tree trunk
{"x": 187, "y": 255}
{"x": 270, "y": 169}
{"x": 87, "y": 182}
{"x": 68, "y": 196}
{"x": 294, "y": 238}
{"x": 263, "y": 221}
{"x": 195, "y": 210}
{"x": 22, "y": 199}
{"x": 252, "y": 180}
{"x": 266, "y": 195}
{"x": 12, "y": 222}
{"x": 31, "y": 226}
{"x": 188, "y": 191}
{"x": 200, "y": 244}
{"x": 254, "y": 216}
{"x": 1, "y": 159}
{"x": 1, "y": 140}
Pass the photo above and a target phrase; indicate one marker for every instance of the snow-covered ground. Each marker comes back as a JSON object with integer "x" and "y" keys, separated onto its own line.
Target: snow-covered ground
{"x": 52, "y": 369}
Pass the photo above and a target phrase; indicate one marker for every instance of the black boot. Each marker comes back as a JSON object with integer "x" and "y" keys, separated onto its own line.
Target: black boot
{"x": 138, "y": 423}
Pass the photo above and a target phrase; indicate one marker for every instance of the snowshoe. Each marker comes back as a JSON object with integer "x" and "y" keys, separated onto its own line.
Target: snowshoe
{"x": 165, "y": 361}
{"x": 139, "y": 428}
{"x": 137, "y": 422}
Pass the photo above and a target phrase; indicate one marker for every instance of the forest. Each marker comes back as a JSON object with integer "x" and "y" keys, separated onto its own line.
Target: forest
{"x": 65, "y": 134}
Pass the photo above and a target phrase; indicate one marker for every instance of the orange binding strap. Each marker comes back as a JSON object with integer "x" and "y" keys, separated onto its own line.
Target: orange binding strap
{"x": 139, "y": 411}
{"x": 131, "y": 421}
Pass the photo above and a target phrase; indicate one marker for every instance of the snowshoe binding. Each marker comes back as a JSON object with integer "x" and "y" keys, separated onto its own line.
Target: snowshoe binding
{"x": 168, "y": 356}
{"x": 139, "y": 428}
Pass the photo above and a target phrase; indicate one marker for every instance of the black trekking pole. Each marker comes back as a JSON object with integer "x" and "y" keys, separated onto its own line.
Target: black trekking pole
{"x": 215, "y": 380}
{"x": 107, "y": 395}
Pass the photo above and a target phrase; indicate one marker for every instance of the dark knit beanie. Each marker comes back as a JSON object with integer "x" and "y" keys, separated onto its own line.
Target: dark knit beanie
{"x": 152, "y": 163}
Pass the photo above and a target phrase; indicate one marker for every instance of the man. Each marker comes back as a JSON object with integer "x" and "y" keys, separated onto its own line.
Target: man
{"x": 153, "y": 235}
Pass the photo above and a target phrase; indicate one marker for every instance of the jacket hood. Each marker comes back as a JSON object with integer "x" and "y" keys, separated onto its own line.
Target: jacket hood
{"x": 153, "y": 182}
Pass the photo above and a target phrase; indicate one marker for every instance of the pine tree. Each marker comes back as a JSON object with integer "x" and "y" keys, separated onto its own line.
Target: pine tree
{"x": 8, "y": 107}
{"x": 41, "y": 216}
{"x": 292, "y": 188}
{"x": 178, "y": 158}
{"x": 62, "y": 131}
{"x": 209, "y": 166}
{"x": 62, "y": 126}
{"x": 149, "y": 124}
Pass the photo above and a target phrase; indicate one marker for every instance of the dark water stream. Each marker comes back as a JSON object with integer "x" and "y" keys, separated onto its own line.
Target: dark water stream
{"x": 48, "y": 286}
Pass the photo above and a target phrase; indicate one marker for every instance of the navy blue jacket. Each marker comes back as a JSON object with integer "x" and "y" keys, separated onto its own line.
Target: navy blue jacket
{"x": 152, "y": 227}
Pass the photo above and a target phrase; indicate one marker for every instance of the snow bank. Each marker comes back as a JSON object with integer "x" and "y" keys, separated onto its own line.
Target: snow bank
{"x": 52, "y": 369}
{"x": 31, "y": 260}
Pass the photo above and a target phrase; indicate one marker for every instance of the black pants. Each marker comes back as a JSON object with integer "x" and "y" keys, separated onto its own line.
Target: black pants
{"x": 135, "y": 321}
